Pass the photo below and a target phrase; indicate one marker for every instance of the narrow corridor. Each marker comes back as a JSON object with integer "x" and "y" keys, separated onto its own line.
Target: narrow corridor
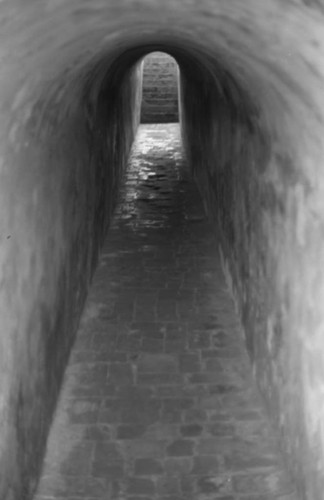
{"x": 158, "y": 400}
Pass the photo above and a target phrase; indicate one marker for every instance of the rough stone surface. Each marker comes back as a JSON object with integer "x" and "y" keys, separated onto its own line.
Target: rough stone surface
{"x": 254, "y": 73}
{"x": 168, "y": 436}
{"x": 258, "y": 195}
{"x": 67, "y": 203}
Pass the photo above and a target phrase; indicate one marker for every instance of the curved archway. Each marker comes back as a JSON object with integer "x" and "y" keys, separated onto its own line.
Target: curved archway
{"x": 160, "y": 75}
{"x": 252, "y": 116}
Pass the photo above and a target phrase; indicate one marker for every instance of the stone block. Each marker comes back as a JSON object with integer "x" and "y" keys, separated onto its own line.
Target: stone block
{"x": 140, "y": 486}
{"x": 157, "y": 363}
{"x": 178, "y": 465}
{"x": 106, "y": 453}
{"x": 189, "y": 363}
{"x": 215, "y": 485}
{"x": 207, "y": 465}
{"x": 156, "y": 379}
{"x": 130, "y": 431}
{"x": 168, "y": 486}
{"x": 181, "y": 448}
{"x": 120, "y": 373}
{"x": 191, "y": 430}
{"x": 145, "y": 448}
{"x": 83, "y": 411}
{"x": 272, "y": 482}
{"x": 147, "y": 467}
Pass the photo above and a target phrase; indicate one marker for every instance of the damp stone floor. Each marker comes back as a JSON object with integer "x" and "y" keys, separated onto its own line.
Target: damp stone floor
{"x": 158, "y": 400}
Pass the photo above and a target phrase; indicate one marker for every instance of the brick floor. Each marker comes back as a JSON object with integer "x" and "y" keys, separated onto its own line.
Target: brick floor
{"x": 158, "y": 400}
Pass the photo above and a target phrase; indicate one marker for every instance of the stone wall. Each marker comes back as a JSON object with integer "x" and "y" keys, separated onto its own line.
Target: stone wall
{"x": 160, "y": 89}
{"x": 258, "y": 191}
{"x": 253, "y": 111}
{"x": 65, "y": 156}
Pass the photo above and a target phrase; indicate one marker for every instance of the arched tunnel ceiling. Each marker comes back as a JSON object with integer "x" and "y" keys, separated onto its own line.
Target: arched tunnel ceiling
{"x": 51, "y": 46}
{"x": 58, "y": 58}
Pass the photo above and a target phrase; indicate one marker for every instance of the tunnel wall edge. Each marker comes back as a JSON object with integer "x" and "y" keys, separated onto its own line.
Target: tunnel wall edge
{"x": 230, "y": 156}
{"x": 66, "y": 181}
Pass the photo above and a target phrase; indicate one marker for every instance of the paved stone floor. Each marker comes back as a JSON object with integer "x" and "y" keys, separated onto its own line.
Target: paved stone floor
{"x": 158, "y": 400}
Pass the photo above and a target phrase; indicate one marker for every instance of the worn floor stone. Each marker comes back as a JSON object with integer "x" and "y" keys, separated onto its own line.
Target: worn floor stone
{"x": 158, "y": 400}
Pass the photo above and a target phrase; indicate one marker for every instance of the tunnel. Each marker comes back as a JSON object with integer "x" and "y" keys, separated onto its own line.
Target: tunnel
{"x": 251, "y": 117}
